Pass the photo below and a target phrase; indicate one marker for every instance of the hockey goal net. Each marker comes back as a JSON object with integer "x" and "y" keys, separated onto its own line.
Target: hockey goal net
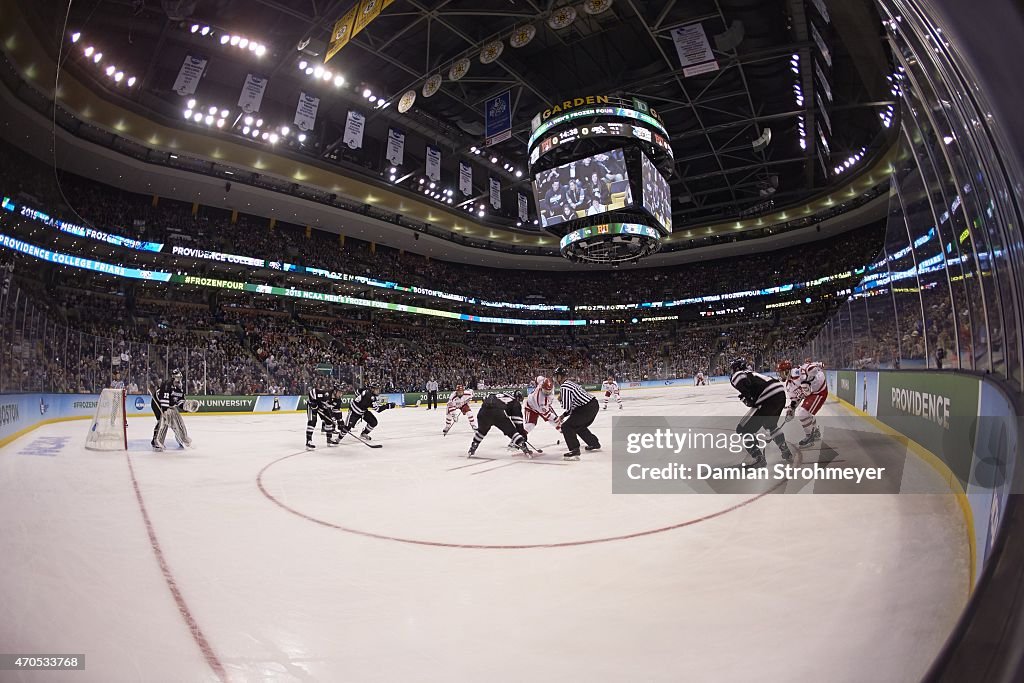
{"x": 109, "y": 428}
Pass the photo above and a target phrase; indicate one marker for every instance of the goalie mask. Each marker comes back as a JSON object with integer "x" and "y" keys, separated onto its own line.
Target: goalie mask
{"x": 176, "y": 377}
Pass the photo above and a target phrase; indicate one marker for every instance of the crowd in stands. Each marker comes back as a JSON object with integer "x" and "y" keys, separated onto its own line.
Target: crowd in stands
{"x": 74, "y": 331}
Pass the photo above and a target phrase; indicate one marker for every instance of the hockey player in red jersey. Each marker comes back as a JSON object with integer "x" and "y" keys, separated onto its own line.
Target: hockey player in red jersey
{"x": 611, "y": 388}
{"x": 459, "y": 404}
{"x": 700, "y": 380}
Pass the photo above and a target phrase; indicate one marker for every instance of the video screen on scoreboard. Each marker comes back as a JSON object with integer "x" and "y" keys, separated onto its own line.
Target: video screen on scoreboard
{"x": 581, "y": 188}
{"x": 657, "y": 197}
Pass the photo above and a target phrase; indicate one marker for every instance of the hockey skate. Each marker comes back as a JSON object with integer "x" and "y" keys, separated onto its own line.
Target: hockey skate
{"x": 620, "y": 406}
{"x": 759, "y": 460}
{"x": 365, "y": 435}
{"x": 156, "y": 446}
{"x": 592, "y": 448}
{"x": 605, "y": 407}
{"x": 574, "y": 454}
{"x": 310, "y": 445}
{"x": 808, "y": 440}
{"x": 333, "y": 440}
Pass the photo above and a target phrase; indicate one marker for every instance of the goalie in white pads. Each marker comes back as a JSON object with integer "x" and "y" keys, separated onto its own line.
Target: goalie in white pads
{"x": 168, "y": 401}
{"x": 458, "y": 404}
{"x": 611, "y": 388}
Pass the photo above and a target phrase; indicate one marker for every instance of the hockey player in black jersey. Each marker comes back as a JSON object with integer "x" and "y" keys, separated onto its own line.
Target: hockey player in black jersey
{"x": 361, "y": 408}
{"x": 170, "y": 394}
{"x": 318, "y": 405}
{"x": 767, "y": 396}
{"x": 505, "y": 412}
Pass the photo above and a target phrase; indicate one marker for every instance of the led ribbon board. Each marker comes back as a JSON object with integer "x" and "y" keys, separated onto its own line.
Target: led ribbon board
{"x": 58, "y": 258}
{"x": 596, "y": 130}
{"x": 79, "y": 230}
{"x": 62, "y": 259}
{"x": 621, "y": 112}
{"x": 603, "y": 230}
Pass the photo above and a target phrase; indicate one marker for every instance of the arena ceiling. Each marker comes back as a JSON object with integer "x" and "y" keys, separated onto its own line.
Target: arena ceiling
{"x": 626, "y": 50}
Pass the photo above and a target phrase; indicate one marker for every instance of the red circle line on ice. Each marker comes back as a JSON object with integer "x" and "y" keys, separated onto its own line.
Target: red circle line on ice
{"x": 492, "y": 546}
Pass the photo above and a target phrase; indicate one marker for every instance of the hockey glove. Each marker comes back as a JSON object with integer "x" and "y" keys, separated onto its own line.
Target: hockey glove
{"x": 748, "y": 402}
{"x": 385, "y": 406}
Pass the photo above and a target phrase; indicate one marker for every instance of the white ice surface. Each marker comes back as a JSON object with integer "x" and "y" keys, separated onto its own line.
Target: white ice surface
{"x": 789, "y": 587}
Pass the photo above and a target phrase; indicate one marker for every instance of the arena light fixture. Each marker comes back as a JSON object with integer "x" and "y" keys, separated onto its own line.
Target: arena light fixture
{"x": 339, "y": 81}
{"x": 131, "y": 81}
{"x": 97, "y": 57}
{"x": 75, "y": 36}
{"x": 89, "y": 49}
{"x": 302, "y": 137}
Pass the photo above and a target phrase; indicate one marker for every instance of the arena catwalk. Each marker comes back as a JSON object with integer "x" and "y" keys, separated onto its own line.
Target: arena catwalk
{"x": 247, "y": 557}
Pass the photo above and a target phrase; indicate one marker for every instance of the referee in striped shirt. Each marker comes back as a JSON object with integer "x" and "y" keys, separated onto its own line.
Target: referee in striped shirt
{"x": 580, "y": 410}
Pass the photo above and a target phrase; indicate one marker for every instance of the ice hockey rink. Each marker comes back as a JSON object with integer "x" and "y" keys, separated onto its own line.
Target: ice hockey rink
{"x": 248, "y": 558}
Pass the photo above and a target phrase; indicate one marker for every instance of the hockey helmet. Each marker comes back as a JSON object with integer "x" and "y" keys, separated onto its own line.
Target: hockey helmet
{"x": 794, "y": 373}
{"x": 738, "y": 364}
{"x": 784, "y": 367}
{"x": 459, "y": 388}
{"x": 559, "y": 372}
{"x": 517, "y": 395}
{"x": 546, "y": 385}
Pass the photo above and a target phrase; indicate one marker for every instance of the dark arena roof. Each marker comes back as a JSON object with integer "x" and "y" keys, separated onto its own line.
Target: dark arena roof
{"x": 758, "y": 90}
{"x": 336, "y": 337}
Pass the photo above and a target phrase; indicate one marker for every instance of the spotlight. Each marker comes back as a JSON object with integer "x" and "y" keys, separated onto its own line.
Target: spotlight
{"x": 234, "y": 40}
{"x": 302, "y": 137}
{"x": 473, "y": 149}
{"x": 480, "y": 213}
{"x": 393, "y": 170}
{"x": 274, "y": 138}
{"x": 519, "y": 174}
{"x": 110, "y": 70}
{"x": 220, "y": 123}
{"x": 260, "y": 50}
{"x": 191, "y": 104}
{"x": 373, "y": 98}
{"x": 309, "y": 71}
{"x": 422, "y": 181}
{"x": 204, "y": 30}
{"x": 213, "y": 110}
{"x": 245, "y": 130}
{"x": 75, "y": 36}
{"x": 265, "y": 136}
{"x": 328, "y": 75}
{"x": 195, "y": 27}
{"x": 224, "y": 113}
{"x": 494, "y": 160}
{"x": 302, "y": 65}
{"x": 209, "y": 120}
{"x": 285, "y": 130}
{"x": 256, "y": 132}
{"x": 97, "y": 57}
{"x": 243, "y": 43}
{"x": 198, "y": 117}
{"x": 118, "y": 76}
{"x": 188, "y": 113}
{"x": 318, "y": 71}
{"x": 259, "y": 122}
{"x": 338, "y": 81}
{"x": 248, "y": 120}
{"x": 89, "y": 51}
{"x": 392, "y": 177}
{"x": 131, "y": 81}
{"x": 481, "y": 207}
{"x": 224, "y": 39}
{"x": 367, "y": 93}
{"x": 432, "y": 185}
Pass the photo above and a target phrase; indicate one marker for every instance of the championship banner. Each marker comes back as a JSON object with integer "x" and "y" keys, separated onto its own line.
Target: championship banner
{"x": 396, "y": 147}
{"x": 498, "y": 119}
{"x": 341, "y": 33}
{"x": 252, "y": 93}
{"x": 694, "y": 51}
{"x": 368, "y": 11}
{"x": 354, "y": 130}
{"x": 523, "y": 208}
{"x": 495, "y": 193}
{"x": 433, "y": 163}
{"x": 305, "y": 111}
{"x": 465, "y": 178}
{"x": 189, "y": 74}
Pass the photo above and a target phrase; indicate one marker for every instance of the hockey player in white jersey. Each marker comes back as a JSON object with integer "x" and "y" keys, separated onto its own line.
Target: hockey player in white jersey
{"x": 540, "y": 405}
{"x": 611, "y": 388}
{"x": 700, "y": 380}
{"x": 807, "y": 390}
{"x": 458, "y": 404}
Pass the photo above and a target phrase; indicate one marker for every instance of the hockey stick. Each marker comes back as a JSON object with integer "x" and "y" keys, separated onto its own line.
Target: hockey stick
{"x": 778, "y": 430}
{"x": 364, "y": 441}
